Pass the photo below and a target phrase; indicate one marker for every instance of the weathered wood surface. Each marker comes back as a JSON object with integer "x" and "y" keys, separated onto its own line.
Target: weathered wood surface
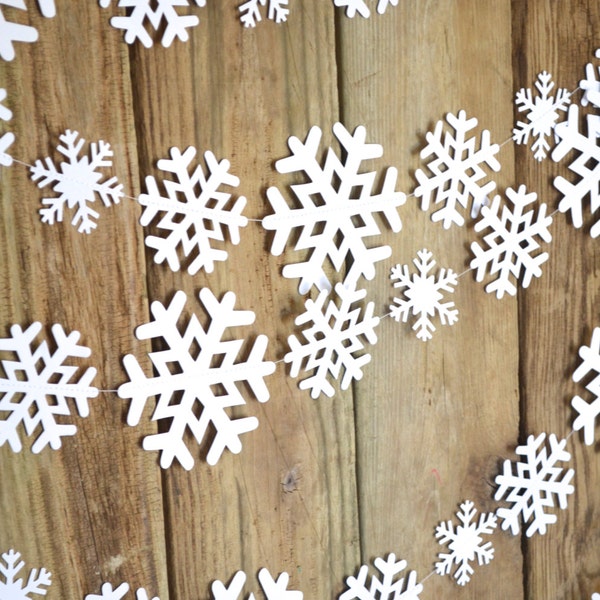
{"x": 323, "y": 486}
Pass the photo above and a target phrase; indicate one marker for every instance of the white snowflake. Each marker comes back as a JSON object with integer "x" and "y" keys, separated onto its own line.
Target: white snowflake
{"x": 591, "y": 85}
{"x": 6, "y": 139}
{"x": 360, "y": 7}
{"x": 194, "y": 212}
{"x": 332, "y": 340}
{"x": 337, "y": 208}
{"x": 423, "y": 294}
{"x": 206, "y": 376}
{"x": 12, "y": 588}
{"x": 274, "y": 589}
{"x": 531, "y": 489}
{"x": 588, "y": 412}
{"x": 47, "y": 8}
{"x": 250, "y": 11}
{"x": 37, "y": 384}
{"x": 455, "y": 170}
{"x": 512, "y": 242}
{"x": 389, "y": 587}
{"x": 77, "y": 182}
{"x": 162, "y": 15}
{"x": 465, "y": 543}
{"x": 542, "y": 113}
{"x": 108, "y": 593}
{"x": 586, "y": 166}
{"x": 13, "y": 32}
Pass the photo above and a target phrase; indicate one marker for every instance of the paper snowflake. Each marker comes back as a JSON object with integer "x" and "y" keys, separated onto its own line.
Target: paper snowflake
{"x": 389, "y": 587}
{"x": 12, "y": 588}
{"x": 194, "y": 212}
{"x": 586, "y": 166}
{"x": 47, "y": 8}
{"x": 13, "y": 32}
{"x": 531, "y": 489}
{"x": 337, "y": 208}
{"x": 78, "y": 182}
{"x": 274, "y": 589}
{"x": 197, "y": 377}
{"x": 588, "y": 412}
{"x": 591, "y": 85}
{"x": 542, "y": 114}
{"x": 250, "y": 11}
{"x": 36, "y": 386}
{"x": 360, "y": 7}
{"x": 465, "y": 543}
{"x": 423, "y": 293}
{"x": 456, "y": 169}
{"x": 6, "y": 139}
{"x": 161, "y": 15}
{"x": 512, "y": 242}
{"x": 332, "y": 340}
{"x": 107, "y": 593}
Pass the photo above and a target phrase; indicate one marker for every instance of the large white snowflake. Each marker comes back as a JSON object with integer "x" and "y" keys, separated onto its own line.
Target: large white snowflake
{"x": 389, "y": 587}
{"x": 586, "y": 166}
{"x": 360, "y": 6}
{"x": 36, "y": 386}
{"x": 196, "y": 378}
{"x": 512, "y": 243}
{"x": 531, "y": 489}
{"x": 78, "y": 182}
{"x": 274, "y": 589}
{"x": 12, "y": 588}
{"x": 542, "y": 113}
{"x": 456, "y": 169}
{"x": 465, "y": 543}
{"x": 108, "y": 593}
{"x": 194, "y": 213}
{"x": 161, "y": 15}
{"x": 6, "y": 139}
{"x": 250, "y": 11}
{"x": 591, "y": 85}
{"x": 13, "y": 32}
{"x": 588, "y": 412}
{"x": 337, "y": 208}
{"x": 423, "y": 293}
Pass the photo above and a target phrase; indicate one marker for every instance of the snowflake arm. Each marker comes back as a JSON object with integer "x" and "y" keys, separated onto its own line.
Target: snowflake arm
{"x": 14, "y": 32}
{"x": 47, "y": 8}
{"x": 6, "y": 139}
{"x": 591, "y": 85}
{"x": 108, "y": 593}
{"x": 250, "y": 12}
{"x": 383, "y": 4}
{"x": 13, "y": 587}
{"x": 274, "y": 589}
{"x": 278, "y": 10}
{"x": 353, "y": 7}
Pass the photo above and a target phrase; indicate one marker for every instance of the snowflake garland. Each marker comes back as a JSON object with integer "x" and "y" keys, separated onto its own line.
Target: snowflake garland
{"x": 465, "y": 543}
{"x": 12, "y": 588}
{"x": 389, "y": 587}
{"x": 195, "y": 212}
{"x": 78, "y": 182}
{"x": 6, "y": 139}
{"x": 207, "y": 377}
{"x": 360, "y": 6}
{"x": 334, "y": 218}
{"x": 591, "y": 85}
{"x": 108, "y": 593}
{"x": 274, "y": 589}
{"x": 423, "y": 293}
{"x": 250, "y": 11}
{"x": 532, "y": 487}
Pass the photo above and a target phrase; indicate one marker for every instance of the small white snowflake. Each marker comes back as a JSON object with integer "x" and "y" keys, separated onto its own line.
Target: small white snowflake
{"x": 533, "y": 487}
{"x": 250, "y": 11}
{"x": 108, "y": 593}
{"x": 455, "y": 170}
{"x": 12, "y": 588}
{"x": 195, "y": 211}
{"x": 161, "y": 15}
{"x": 78, "y": 182}
{"x": 359, "y": 6}
{"x": 423, "y": 294}
{"x": 6, "y": 139}
{"x": 389, "y": 587}
{"x": 542, "y": 113}
{"x": 591, "y": 85}
{"x": 337, "y": 208}
{"x": 512, "y": 242}
{"x": 206, "y": 375}
{"x": 465, "y": 543}
{"x": 13, "y": 32}
{"x": 274, "y": 589}
{"x": 37, "y": 384}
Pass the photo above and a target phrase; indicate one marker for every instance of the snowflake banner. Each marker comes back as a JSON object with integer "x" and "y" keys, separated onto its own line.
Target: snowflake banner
{"x": 337, "y": 208}
{"x": 207, "y": 377}
{"x": 250, "y": 11}
{"x": 273, "y": 589}
{"x": 13, "y": 32}
{"x": 6, "y": 139}
{"x": 354, "y": 7}
{"x": 108, "y": 593}
{"x": 11, "y": 585}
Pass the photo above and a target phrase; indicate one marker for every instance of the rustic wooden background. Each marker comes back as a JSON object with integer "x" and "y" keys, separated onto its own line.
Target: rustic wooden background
{"x": 322, "y": 486}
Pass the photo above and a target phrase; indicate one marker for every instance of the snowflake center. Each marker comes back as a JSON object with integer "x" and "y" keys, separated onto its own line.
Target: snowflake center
{"x": 77, "y": 181}
{"x": 466, "y": 541}
{"x": 424, "y": 294}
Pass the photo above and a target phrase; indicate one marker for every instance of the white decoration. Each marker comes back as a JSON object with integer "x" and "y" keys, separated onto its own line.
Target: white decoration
{"x": 274, "y": 589}
{"x": 512, "y": 242}
{"x": 588, "y": 412}
{"x": 12, "y": 588}
{"x": 205, "y": 364}
{"x": 332, "y": 340}
{"x": 456, "y": 170}
{"x": 585, "y": 166}
{"x": 195, "y": 211}
{"x": 78, "y": 182}
{"x": 250, "y": 11}
{"x": 533, "y": 487}
{"x": 162, "y": 15}
{"x": 6, "y": 139}
{"x": 360, "y": 7}
{"x": 465, "y": 543}
{"x": 595, "y": 596}
{"x": 47, "y": 8}
{"x": 542, "y": 113}
{"x": 37, "y": 384}
{"x": 389, "y": 587}
{"x": 335, "y": 196}
{"x": 108, "y": 593}
{"x": 423, "y": 293}
{"x": 13, "y": 32}
{"x": 591, "y": 85}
